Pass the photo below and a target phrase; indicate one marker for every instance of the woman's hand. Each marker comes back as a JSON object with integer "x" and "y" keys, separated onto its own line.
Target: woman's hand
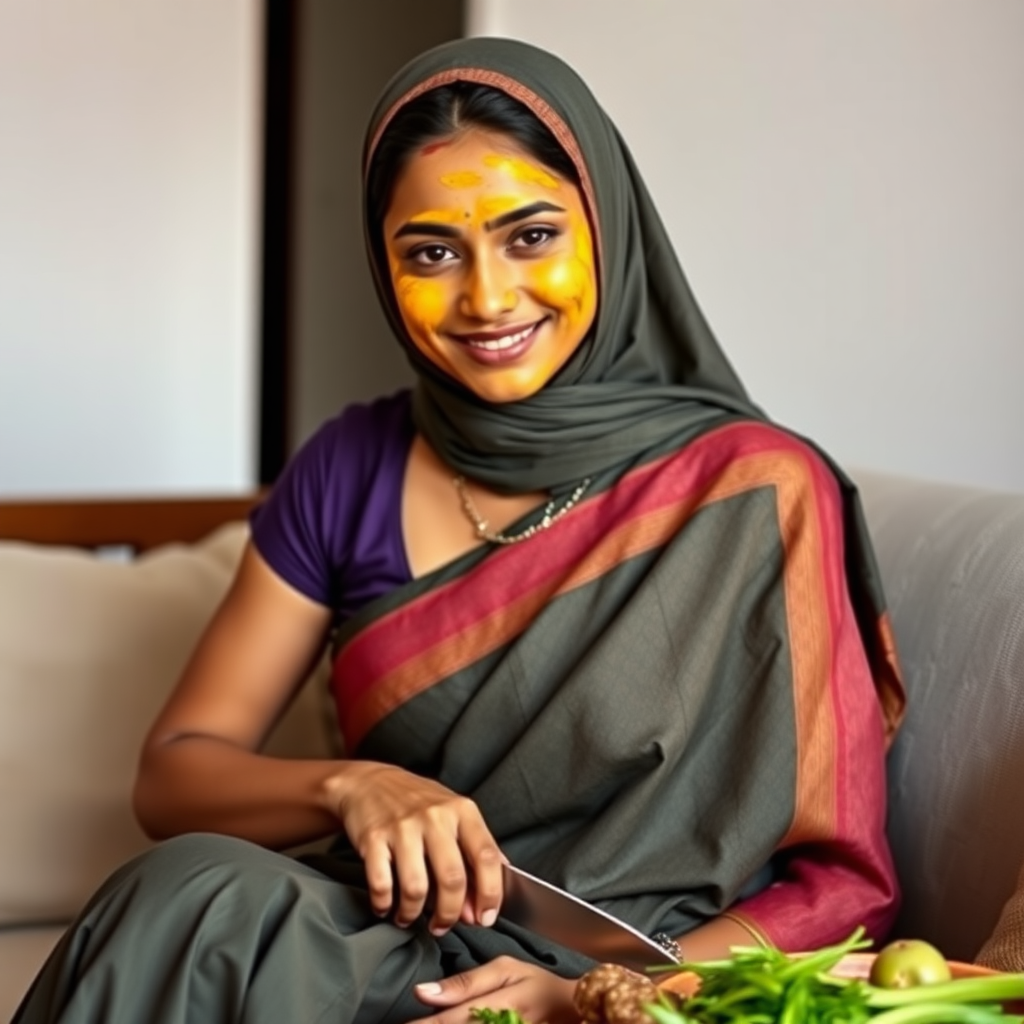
{"x": 504, "y": 983}
{"x": 428, "y": 839}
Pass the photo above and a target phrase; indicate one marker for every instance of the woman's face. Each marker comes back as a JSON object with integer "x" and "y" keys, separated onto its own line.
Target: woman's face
{"x": 492, "y": 261}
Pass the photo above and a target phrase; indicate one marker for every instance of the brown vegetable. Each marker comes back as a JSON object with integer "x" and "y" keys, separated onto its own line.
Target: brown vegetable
{"x": 611, "y": 994}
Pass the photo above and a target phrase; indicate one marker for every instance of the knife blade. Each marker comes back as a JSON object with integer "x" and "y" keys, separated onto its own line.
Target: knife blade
{"x": 558, "y": 915}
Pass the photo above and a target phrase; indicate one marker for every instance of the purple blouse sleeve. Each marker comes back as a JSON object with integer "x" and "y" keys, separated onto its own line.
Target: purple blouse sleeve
{"x": 331, "y": 525}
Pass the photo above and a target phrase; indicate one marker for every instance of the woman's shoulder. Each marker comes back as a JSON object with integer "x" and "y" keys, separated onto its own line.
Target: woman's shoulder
{"x": 347, "y": 473}
{"x": 366, "y": 427}
{"x": 365, "y": 442}
{"x": 352, "y": 445}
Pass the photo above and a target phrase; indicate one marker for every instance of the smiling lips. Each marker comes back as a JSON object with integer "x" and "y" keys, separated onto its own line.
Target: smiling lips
{"x": 499, "y": 346}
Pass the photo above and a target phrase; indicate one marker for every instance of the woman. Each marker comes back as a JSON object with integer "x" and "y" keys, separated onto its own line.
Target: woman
{"x": 590, "y": 612}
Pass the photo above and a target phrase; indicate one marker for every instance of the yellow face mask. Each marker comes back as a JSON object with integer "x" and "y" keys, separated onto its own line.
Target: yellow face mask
{"x": 491, "y": 258}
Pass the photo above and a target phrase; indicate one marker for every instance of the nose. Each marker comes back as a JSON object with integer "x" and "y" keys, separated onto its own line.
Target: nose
{"x": 489, "y": 290}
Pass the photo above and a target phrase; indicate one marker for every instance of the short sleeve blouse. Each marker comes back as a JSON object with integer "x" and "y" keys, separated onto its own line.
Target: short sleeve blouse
{"x": 331, "y": 526}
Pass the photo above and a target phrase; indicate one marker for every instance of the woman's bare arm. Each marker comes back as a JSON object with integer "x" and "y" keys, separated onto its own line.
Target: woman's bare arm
{"x": 715, "y": 939}
{"x": 199, "y": 770}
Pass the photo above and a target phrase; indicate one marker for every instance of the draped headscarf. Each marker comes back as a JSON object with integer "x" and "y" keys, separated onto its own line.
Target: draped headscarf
{"x": 649, "y": 370}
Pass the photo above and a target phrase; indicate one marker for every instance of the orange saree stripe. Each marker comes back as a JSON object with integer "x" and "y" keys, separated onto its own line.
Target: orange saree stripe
{"x": 810, "y": 641}
{"x": 891, "y": 684}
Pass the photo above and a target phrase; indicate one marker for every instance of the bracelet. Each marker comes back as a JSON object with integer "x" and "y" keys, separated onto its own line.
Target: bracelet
{"x": 670, "y": 946}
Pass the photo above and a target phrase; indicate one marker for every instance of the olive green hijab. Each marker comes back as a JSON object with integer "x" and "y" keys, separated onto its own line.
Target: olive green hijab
{"x": 648, "y": 372}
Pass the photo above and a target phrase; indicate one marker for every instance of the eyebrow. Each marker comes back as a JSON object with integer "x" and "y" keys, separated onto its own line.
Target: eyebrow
{"x": 420, "y": 227}
{"x": 521, "y": 214}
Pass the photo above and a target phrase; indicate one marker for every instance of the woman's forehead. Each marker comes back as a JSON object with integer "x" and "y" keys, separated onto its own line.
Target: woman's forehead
{"x": 533, "y": 101}
{"x": 473, "y": 165}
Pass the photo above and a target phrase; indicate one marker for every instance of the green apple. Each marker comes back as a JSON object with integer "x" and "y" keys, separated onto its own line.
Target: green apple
{"x": 908, "y": 962}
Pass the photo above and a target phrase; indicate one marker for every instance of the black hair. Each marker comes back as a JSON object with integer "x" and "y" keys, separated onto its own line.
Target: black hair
{"x": 445, "y": 111}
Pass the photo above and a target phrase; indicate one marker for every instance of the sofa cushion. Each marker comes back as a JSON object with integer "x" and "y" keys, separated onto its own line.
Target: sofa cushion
{"x": 1004, "y": 948}
{"x": 89, "y": 649}
{"x": 952, "y": 561}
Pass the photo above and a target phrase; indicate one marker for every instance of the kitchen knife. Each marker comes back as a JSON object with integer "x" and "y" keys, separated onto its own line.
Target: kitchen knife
{"x": 558, "y": 915}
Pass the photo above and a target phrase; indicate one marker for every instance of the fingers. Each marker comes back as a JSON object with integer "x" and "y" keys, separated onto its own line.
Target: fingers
{"x": 467, "y": 872}
{"x": 469, "y": 985}
{"x": 413, "y": 877}
{"x": 452, "y": 860}
{"x": 379, "y": 875}
{"x": 467, "y": 915}
{"x": 485, "y": 860}
{"x": 448, "y": 867}
{"x": 420, "y": 842}
{"x": 504, "y": 983}
{"x": 427, "y": 865}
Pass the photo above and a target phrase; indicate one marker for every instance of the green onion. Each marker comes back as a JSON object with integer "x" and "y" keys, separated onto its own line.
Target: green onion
{"x": 945, "y": 1013}
{"x": 994, "y": 989}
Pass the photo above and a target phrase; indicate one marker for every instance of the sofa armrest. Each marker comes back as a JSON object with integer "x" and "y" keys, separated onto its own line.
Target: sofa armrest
{"x": 952, "y": 561}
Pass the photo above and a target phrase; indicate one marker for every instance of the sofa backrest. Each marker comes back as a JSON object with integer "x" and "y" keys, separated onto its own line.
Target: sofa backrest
{"x": 952, "y": 561}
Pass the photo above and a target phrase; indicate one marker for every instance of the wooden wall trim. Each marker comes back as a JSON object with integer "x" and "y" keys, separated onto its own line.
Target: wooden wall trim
{"x": 142, "y": 523}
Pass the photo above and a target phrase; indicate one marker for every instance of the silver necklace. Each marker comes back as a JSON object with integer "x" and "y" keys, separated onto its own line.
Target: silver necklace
{"x": 482, "y": 528}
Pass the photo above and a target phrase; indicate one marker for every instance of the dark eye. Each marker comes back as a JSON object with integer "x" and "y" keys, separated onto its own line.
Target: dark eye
{"x": 431, "y": 255}
{"x": 534, "y": 237}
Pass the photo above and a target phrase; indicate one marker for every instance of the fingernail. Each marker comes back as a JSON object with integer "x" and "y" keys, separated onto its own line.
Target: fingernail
{"x": 438, "y": 932}
{"x": 429, "y": 988}
{"x": 488, "y": 917}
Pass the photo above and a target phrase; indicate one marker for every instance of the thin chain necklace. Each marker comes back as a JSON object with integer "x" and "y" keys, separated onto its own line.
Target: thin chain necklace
{"x": 482, "y": 528}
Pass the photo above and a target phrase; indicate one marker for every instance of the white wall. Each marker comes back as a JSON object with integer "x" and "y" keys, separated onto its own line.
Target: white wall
{"x": 844, "y": 182}
{"x": 129, "y": 246}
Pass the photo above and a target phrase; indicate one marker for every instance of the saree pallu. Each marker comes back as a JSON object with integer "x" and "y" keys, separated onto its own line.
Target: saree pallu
{"x": 666, "y": 703}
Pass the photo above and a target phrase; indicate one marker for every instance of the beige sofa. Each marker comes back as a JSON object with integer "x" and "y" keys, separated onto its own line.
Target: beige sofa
{"x": 89, "y": 647}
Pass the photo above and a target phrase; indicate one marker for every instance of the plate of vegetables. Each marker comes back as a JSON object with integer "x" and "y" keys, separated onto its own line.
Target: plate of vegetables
{"x": 907, "y": 982}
